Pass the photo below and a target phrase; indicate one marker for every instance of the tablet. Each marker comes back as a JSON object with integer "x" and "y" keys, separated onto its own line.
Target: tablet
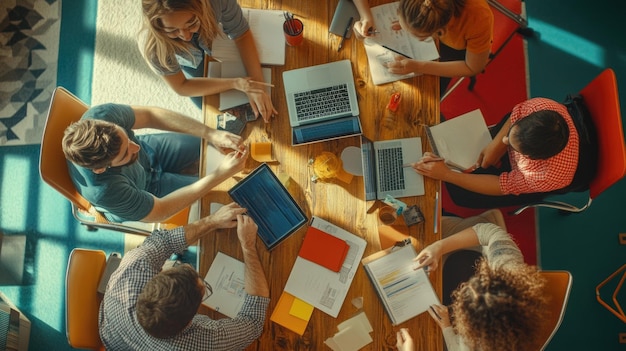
{"x": 269, "y": 203}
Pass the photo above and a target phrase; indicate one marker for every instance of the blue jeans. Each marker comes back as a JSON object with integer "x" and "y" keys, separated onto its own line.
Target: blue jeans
{"x": 170, "y": 153}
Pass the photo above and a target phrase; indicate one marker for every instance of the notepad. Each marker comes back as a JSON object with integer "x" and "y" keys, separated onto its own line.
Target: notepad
{"x": 267, "y": 28}
{"x": 460, "y": 140}
{"x": 226, "y": 278}
{"x": 324, "y": 249}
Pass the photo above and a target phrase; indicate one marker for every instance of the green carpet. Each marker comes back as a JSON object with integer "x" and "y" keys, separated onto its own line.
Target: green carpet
{"x": 577, "y": 40}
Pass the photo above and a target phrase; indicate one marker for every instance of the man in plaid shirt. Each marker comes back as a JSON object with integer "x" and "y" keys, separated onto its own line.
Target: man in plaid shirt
{"x": 145, "y": 308}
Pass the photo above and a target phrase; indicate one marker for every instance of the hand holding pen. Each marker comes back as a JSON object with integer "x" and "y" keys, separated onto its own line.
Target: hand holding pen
{"x": 440, "y": 314}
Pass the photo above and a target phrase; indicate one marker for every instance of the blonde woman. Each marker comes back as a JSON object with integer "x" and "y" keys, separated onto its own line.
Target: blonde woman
{"x": 176, "y": 35}
{"x": 464, "y": 29}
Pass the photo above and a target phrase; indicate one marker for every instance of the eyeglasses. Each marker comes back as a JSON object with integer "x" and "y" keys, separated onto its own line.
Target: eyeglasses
{"x": 508, "y": 137}
{"x": 208, "y": 290}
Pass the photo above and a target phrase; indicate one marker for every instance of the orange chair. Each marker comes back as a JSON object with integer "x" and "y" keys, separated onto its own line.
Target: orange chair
{"x": 507, "y": 21}
{"x": 602, "y": 101}
{"x": 557, "y": 288}
{"x": 66, "y": 108}
{"x": 615, "y": 308}
{"x": 82, "y": 301}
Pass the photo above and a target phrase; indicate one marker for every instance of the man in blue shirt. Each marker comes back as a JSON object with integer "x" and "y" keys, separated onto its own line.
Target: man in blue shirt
{"x": 145, "y": 308}
{"x": 146, "y": 177}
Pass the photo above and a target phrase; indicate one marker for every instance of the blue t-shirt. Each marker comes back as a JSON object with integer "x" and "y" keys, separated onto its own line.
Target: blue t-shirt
{"x": 120, "y": 192}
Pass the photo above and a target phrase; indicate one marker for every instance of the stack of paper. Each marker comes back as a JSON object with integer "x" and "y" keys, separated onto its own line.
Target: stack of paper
{"x": 322, "y": 279}
{"x": 234, "y": 69}
{"x": 353, "y": 334}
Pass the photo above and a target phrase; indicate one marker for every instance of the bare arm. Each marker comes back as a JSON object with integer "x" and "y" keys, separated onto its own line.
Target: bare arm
{"x": 363, "y": 26}
{"x": 493, "y": 152}
{"x": 473, "y": 64}
{"x": 433, "y": 167}
{"x": 172, "y": 203}
{"x": 431, "y": 254}
{"x": 254, "y": 276}
{"x": 260, "y": 101}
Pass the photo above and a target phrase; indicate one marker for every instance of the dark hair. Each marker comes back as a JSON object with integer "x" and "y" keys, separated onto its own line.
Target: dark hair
{"x": 91, "y": 143}
{"x": 169, "y": 301}
{"x": 428, "y": 16}
{"x": 542, "y": 134}
{"x": 500, "y": 308}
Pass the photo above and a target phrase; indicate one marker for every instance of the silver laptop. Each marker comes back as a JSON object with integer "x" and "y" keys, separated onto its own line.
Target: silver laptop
{"x": 383, "y": 171}
{"x": 320, "y": 93}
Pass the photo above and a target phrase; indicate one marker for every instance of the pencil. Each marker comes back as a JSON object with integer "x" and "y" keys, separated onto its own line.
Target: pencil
{"x": 262, "y": 83}
{"x": 435, "y": 312}
{"x": 396, "y": 51}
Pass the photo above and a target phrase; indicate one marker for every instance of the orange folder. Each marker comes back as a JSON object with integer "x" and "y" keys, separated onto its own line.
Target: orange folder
{"x": 324, "y": 249}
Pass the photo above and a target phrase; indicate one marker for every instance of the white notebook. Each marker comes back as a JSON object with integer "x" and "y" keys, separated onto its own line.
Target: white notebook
{"x": 460, "y": 140}
{"x": 267, "y": 29}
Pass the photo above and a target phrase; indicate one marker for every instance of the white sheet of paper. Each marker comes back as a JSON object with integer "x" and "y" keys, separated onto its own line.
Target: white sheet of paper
{"x": 226, "y": 276}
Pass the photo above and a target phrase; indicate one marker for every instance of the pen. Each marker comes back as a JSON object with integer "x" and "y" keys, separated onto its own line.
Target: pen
{"x": 436, "y": 225}
{"x": 345, "y": 33}
{"x": 372, "y": 31}
{"x": 435, "y": 312}
{"x": 262, "y": 83}
{"x": 407, "y": 165}
{"x": 396, "y": 51}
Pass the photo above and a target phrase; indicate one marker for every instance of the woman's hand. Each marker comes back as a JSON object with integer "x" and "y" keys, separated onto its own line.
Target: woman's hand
{"x": 429, "y": 257}
{"x": 440, "y": 314}
{"x": 260, "y": 101}
{"x": 403, "y": 65}
{"x": 404, "y": 340}
{"x": 364, "y": 27}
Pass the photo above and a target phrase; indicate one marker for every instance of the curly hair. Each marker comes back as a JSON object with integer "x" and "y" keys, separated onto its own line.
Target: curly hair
{"x": 169, "y": 301}
{"x": 164, "y": 48}
{"x": 428, "y": 16}
{"x": 91, "y": 143}
{"x": 499, "y": 308}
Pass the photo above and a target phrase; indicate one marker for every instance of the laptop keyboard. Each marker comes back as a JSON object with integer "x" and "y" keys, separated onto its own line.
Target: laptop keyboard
{"x": 390, "y": 169}
{"x": 322, "y": 102}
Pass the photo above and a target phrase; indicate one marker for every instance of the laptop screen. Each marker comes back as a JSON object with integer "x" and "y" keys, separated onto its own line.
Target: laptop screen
{"x": 369, "y": 169}
{"x": 269, "y": 203}
{"x": 326, "y": 130}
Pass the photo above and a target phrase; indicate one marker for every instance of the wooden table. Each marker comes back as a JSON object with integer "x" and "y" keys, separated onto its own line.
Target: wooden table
{"x": 337, "y": 202}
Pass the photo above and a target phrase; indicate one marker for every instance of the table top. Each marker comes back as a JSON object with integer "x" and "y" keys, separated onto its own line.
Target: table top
{"x": 338, "y": 202}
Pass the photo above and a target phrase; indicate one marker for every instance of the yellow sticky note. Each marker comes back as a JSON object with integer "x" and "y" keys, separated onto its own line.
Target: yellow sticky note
{"x": 301, "y": 309}
{"x": 282, "y": 316}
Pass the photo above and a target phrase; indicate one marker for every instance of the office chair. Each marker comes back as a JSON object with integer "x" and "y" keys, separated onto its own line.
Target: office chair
{"x": 602, "y": 101}
{"x": 66, "y": 108}
{"x": 507, "y": 21}
{"x": 613, "y": 306}
{"x": 82, "y": 300}
{"x": 557, "y": 288}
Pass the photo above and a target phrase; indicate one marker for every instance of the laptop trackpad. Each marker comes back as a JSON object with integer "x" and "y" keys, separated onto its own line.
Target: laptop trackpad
{"x": 318, "y": 77}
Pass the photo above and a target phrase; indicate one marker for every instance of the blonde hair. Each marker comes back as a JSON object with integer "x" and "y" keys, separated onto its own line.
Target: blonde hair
{"x": 500, "y": 308}
{"x": 428, "y": 16}
{"x": 164, "y": 48}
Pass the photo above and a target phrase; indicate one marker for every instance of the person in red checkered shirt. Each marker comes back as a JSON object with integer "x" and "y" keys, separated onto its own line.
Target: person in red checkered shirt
{"x": 533, "y": 153}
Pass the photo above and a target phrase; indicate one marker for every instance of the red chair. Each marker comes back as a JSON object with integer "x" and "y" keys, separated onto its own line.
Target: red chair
{"x": 507, "y": 21}
{"x": 602, "y": 101}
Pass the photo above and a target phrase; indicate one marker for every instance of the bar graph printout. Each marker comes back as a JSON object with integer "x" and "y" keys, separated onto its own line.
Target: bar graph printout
{"x": 404, "y": 292}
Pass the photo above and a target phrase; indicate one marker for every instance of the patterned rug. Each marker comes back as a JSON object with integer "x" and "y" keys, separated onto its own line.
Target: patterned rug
{"x": 29, "y": 46}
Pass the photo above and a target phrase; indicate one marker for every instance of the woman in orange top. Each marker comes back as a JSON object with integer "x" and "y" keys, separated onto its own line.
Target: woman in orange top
{"x": 464, "y": 29}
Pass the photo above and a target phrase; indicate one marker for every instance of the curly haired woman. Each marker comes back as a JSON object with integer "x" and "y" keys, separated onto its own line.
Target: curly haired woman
{"x": 178, "y": 33}
{"x": 501, "y": 306}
